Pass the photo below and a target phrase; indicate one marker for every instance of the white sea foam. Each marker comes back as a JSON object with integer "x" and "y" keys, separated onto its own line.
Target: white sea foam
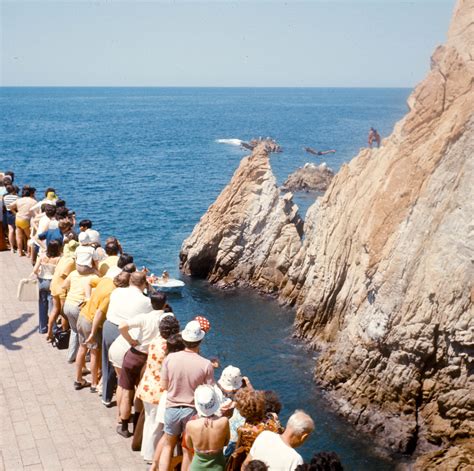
{"x": 230, "y": 142}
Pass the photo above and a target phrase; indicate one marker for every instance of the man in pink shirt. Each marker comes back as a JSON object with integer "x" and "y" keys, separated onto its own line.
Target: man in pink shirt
{"x": 181, "y": 373}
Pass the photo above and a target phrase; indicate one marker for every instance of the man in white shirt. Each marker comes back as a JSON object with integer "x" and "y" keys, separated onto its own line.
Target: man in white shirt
{"x": 278, "y": 451}
{"x": 125, "y": 303}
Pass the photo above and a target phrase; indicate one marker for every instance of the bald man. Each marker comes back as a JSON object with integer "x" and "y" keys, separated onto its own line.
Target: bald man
{"x": 278, "y": 451}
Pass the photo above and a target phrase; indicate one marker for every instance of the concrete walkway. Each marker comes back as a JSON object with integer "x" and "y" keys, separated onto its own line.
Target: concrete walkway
{"x": 44, "y": 423}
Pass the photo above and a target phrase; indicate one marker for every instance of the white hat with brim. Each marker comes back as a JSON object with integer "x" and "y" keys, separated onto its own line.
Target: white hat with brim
{"x": 206, "y": 400}
{"x": 193, "y": 332}
{"x": 231, "y": 378}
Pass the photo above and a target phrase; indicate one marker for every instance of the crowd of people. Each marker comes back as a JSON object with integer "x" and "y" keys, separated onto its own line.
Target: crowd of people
{"x": 124, "y": 335}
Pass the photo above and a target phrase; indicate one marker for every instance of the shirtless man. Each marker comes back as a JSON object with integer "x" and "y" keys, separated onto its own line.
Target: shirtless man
{"x": 319, "y": 152}
{"x": 373, "y": 136}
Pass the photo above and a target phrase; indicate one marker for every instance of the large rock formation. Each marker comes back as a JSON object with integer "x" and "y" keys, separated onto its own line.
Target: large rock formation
{"x": 310, "y": 177}
{"x": 383, "y": 278}
{"x": 250, "y": 234}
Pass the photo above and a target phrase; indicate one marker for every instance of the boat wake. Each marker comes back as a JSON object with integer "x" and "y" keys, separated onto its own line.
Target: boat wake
{"x": 230, "y": 142}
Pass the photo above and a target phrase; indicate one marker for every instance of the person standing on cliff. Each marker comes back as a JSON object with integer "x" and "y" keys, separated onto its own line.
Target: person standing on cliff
{"x": 374, "y": 136}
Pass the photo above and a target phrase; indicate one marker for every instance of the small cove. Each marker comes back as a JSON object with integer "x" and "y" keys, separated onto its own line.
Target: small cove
{"x": 143, "y": 164}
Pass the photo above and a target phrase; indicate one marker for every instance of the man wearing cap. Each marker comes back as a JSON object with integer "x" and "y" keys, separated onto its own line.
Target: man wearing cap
{"x": 181, "y": 374}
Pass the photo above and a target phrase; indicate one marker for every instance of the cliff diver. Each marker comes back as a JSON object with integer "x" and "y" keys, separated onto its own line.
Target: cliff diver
{"x": 319, "y": 152}
{"x": 373, "y": 136}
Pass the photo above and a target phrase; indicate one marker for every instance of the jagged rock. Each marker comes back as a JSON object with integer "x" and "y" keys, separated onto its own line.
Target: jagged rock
{"x": 250, "y": 235}
{"x": 310, "y": 177}
{"x": 459, "y": 457}
{"x": 383, "y": 278}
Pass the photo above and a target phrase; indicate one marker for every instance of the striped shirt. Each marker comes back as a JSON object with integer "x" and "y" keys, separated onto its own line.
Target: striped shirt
{"x": 9, "y": 199}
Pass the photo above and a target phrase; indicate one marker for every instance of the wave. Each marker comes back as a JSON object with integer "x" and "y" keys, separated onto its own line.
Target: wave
{"x": 230, "y": 142}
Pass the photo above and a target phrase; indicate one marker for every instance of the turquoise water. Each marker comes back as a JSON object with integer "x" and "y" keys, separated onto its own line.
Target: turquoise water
{"x": 143, "y": 164}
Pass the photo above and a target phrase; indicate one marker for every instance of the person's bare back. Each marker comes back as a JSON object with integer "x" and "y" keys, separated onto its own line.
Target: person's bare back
{"x": 207, "y": 434}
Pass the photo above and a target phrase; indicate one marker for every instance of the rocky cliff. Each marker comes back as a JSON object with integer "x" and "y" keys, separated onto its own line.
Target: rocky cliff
{"x": 250, "y": 234}
{"x": 382, "y": 278}
{"x": 310, "y": 177}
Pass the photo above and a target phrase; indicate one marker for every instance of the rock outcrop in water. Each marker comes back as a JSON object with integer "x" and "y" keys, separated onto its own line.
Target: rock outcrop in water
{"x": 250, "y": 234}
{"x": 383, "y": 278}
{"x": 310, "y": 177}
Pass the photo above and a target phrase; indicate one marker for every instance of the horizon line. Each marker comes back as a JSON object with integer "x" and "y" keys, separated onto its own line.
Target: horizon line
{"x": 209, "y": 86}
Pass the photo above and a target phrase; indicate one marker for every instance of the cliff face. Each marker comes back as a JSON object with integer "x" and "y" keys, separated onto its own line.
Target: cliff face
{"x": 383, "y": 278}
{"x": 250, "y": 234}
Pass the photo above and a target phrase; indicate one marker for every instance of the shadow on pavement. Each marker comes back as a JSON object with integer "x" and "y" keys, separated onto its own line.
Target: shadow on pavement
{"x": 7, "y": 339}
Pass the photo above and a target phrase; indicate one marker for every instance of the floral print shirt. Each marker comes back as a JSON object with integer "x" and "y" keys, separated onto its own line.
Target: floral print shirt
{"x": 149, "y": 390}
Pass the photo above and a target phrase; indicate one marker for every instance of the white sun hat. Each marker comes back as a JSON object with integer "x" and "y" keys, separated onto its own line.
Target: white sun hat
{"x": 84, "y": 238}
{"x": 231, "y": 378}
{"x": 94, "y": 236}
{"x": 206, "y": 400}
{"x": 193, "y": 332}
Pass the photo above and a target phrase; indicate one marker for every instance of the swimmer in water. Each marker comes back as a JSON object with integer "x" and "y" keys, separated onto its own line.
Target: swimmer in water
{"x": 319, "y": 152}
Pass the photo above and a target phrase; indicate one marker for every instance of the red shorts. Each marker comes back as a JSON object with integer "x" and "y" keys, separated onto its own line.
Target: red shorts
{"x": 133, "y": 363}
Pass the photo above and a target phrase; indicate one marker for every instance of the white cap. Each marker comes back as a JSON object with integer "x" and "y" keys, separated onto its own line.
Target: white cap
{"x": 94, "y": 236}
{"x": 193, "y": 332}
{"x": 231, "y": 378}
{"x": 84, "y": 238}
{"x": 206, "y": 400}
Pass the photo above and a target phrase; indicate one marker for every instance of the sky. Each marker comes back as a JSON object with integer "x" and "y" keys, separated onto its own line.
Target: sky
{"x": 253, "y": 43}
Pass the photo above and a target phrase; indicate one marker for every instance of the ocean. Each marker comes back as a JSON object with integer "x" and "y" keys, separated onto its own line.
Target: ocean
{"x": 144, "y": 164}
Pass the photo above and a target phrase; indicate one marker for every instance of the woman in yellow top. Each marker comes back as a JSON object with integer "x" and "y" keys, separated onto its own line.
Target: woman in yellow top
{"x": 65, "y": 266}
{"x": 22, "y": 210}
{"x": 75, "y": 286}
{"x": 89, "y": 326}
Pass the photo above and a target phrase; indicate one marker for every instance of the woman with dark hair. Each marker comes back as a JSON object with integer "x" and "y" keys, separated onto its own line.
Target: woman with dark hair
{"x": 22, "y": 208}
{"x": 272, "y": 407}
{"x": 9, "y": 198}
{"x": 149, "y": 390}
{"x": 44, "y": 269}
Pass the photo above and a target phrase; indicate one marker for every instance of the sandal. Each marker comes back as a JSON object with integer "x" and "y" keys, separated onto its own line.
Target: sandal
{"x": 93, "y": 389}
{"x": 80, "y": 385}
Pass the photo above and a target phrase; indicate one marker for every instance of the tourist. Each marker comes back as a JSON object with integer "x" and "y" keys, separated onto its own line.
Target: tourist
{"x": 65, "y": 266}
{"x": 249, "y": 417}
{"x": 209, "y": 433}
{"x": 229, "y": 383}
{"x": 9, "y": 198}
{"x": 49, "y": 199}
{"x": 44, "y": 270}
{"x": 278, "y": 451}
{"x": 75, "y": 286}
{"x": 125, "y": 303}
{"x": 272, "y": 406}
{"x": 85, "y": 224}
{"x": 323, "y": 461}
{"x": 21, "y": 207}
{"x": 256, "y": 465}
{"x": 87, "y": 258}
{"x": 174, "y": 344}
{"x": 89, "y": 326}
{"x": 64, "y": 227}
{"x": 112, "y": 252}
{"x": 149, "y": 390}
{"x": 40, "y": 223}
{"x": 181, "y": 374}
{"x": 129, "y": 354}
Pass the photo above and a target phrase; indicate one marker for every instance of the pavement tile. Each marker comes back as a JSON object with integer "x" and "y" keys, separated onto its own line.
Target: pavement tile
{"x": 46, "y": 424}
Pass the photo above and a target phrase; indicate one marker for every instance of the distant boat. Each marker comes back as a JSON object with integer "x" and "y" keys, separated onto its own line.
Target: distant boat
{"x": 172, "y": 285}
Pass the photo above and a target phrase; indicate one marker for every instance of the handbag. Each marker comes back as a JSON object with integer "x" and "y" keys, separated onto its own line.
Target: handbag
{"x": 28, "y": 290}
{"x": 61, "y": 339}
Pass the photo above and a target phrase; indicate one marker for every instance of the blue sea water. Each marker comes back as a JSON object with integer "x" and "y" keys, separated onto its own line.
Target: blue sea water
{"x": 144, "y": 165}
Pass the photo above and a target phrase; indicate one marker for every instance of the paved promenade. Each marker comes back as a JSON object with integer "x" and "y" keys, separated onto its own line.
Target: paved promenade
{"x": 44, "y": 423}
